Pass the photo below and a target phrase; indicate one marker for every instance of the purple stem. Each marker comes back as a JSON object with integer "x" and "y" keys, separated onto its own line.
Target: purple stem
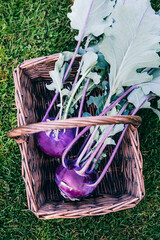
{"x": 140, "y": 105}
{"x": 50, "y": 106}
{"x": 99, "y": 154}
{"x": 111, "y": 158}
{"x": 104, "y": 145}
{"x": 78, "y": 72}
{"x": 77, "y": 75}
{"x": 56, "y": 118}
{"x": 72, "y": 143}
{"x": 82, "y": 102}
{"x": 83, "y": 145}
{"x": 118, "y": 144}
{"x": 89, "y": 143}
{"x": 90, "y": 159}
{"x": 72, "y": 60}
{"x": 88, "y": 162}
{"x": 79, "y": 42}
{"x": 118, "y": 100}
{"x": 88, "y": 127}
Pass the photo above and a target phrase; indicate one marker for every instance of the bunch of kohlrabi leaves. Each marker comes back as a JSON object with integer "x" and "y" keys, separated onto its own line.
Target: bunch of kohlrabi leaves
{"x": 122, "y": 44}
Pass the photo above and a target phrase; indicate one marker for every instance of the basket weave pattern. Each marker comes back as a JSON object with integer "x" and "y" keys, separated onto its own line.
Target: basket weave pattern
{"x": 122, "y": 186}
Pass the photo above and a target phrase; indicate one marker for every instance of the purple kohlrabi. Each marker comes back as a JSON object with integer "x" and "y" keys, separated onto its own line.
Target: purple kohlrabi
{"x": 54, "y": 145}
{"x": 72, "y": 185}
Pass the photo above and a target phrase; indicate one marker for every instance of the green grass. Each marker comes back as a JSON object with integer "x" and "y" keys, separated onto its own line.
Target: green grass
{"x": 32, "y": 29}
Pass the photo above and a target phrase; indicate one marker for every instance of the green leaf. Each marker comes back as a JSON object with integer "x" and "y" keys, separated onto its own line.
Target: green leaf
{"x": 109, "y": 141}
{"x": 96, "y": 23}
{"x": 152, "y": 86}
{"x": 57, "y": 74}
{"x": 97, "y": 101}
{"x": 158, "y": 103}
{"x": 136, "y": 97}
{"x": 131, "y": 43}
{"x": 156, "y": 111}
{"x": 67, "y": 55}
{"x": 97, "y": 134}
{"x": 59, "y": 62}
{"x": 101, "y": 61}
{"x": 112, "y": 112}
{"x": 89, "y": 61}
{"x": 79, "y": 95}
{"x": 86, "y": 114}
{"x": 95, "y": 77}
{"x": 156, "y": 72}
{"x": 66, "y": 92}
{"x": 57, "y": 80}
{"x": 116, "y": 129}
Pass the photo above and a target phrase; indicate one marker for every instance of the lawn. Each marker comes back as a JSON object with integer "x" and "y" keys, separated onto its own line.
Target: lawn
{"x": 31, "y": 29}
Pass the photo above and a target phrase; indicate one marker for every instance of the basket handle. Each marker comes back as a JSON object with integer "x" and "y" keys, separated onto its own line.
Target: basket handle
{"x": 72, "y": 123}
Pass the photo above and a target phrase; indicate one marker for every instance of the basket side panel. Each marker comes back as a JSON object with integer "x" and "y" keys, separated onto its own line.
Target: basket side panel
{"x": 25, "y": 102}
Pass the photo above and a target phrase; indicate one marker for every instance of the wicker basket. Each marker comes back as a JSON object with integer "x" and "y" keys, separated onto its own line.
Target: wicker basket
{"x": 122, "y": 186}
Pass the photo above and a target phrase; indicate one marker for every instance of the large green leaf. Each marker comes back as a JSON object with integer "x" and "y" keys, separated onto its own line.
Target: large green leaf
{"x": 131, "y": 43}
{"x": 96, "y": 23}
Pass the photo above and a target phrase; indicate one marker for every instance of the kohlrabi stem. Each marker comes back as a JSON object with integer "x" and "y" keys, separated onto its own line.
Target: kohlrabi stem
{"x": 78, "y": 72}
{"x": 117, "y": 146}
{"x": 82, "y": 102}
{"x": 104, "y": 145}
{"x": 50, "y": 106}
{"x": 61, "y": 106}
{"x": 72, "y": 60}
{"x": 89, "y": 143}
{"x": 79, "y": 42}
{"x": 88, "y": 162}
{"x": 88, "y": 127}
{"x": 56, "y": 118}
{"x": 81, "y": 62}
{"x": 108, "y": 100}
{"x": 85, "y": 158}
{"x": 74, "y": 92}
{"x": 85, "y": 141}
{"x": 60, "y": 113}
{"x": 72, "y": 143}
{"x": 111, "y": 158}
